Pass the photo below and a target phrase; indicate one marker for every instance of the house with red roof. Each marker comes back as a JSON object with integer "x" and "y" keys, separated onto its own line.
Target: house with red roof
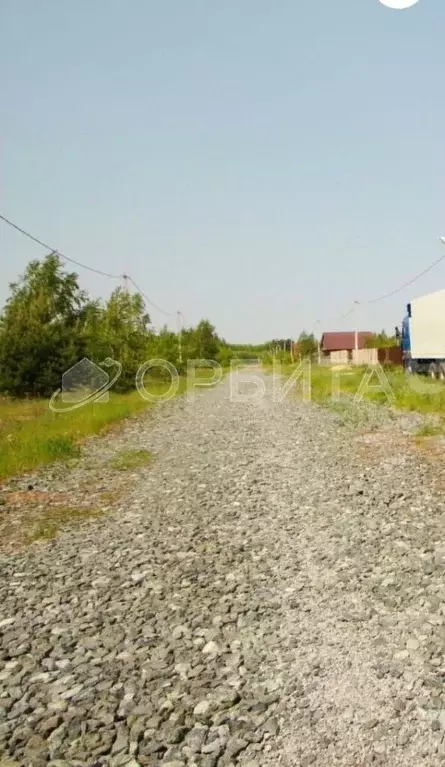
{"x": 340, "y": 345}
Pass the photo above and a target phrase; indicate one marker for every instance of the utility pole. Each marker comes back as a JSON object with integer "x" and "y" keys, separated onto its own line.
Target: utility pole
{"x": 318, "y": 322}
{"x": 356, "y": 303}
{"x": 125, "y": 279}
{"x": 179, "y": 336}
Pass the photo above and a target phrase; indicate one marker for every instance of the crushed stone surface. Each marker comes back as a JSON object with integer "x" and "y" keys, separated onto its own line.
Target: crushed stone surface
{"x": 269, "y": 590}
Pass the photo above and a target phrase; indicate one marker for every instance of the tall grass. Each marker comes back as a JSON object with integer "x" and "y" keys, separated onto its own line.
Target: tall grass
{"x": 414, "y": 393}
{"x": 32, "y": 435}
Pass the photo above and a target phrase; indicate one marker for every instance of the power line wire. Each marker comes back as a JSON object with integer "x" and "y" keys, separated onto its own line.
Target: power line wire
{"x": 343, "y": 316}
{"x": 151, "y": 303}
{"x": 125, "y": 277}
{"x": 406, "y": 284}
{"x": 336, "y": 319}
{"x": 57, "y": 252}
{"x": 393, "y": 292}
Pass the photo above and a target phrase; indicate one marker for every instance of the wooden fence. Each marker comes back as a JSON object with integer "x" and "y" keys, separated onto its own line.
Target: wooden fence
{"x": 390, "y": 354}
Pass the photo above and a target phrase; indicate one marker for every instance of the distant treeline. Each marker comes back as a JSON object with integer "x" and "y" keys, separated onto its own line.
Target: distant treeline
{"x": 49, "y": 323}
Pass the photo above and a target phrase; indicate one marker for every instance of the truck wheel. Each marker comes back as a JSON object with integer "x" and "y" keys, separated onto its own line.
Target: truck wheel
{"x": 441, "y": 371}
{"x": 432, "y": 372}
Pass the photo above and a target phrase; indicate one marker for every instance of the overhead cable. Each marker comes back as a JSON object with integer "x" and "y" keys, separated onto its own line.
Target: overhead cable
{"x": 85, "y": 266}
{"x": 58, "y": 252}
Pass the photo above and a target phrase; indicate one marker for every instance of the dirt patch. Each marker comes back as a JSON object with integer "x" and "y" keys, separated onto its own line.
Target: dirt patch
{"x": 29, "y": 516}
{"x": 379, "y": 446}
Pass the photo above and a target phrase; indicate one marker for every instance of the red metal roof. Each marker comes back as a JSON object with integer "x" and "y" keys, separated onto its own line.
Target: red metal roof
{"x": 336, "y": 342}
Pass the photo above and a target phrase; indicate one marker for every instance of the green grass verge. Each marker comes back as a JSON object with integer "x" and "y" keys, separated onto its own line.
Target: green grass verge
{"x": 414, "y": 393}
{"x": 32, "y": 435}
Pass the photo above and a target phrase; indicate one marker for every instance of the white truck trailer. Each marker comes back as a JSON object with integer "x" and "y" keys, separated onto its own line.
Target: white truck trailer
{"x": 423, "y": 335}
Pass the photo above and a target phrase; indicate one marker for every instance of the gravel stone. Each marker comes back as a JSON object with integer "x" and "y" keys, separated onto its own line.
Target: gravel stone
{"x": 269, "y": 591}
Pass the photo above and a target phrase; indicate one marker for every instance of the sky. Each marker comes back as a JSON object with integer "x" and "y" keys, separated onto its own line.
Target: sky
{"x": 263, "y": 165}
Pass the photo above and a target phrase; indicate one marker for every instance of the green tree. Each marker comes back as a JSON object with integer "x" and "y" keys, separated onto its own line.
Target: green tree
{"x": 225, "y": 355}
{"x": 40, "y": 334}
{"x": 49, "y": 324}
{"x": 93, "y": 331}
{"x": 307, "y": 344}
{"x": 381, "y": 341}
{"x": 207, "y": 341}
{"x": 122, "y": 333}
{"x": 165, "y": 346}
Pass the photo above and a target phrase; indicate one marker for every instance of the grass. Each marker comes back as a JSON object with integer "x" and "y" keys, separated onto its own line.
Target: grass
{"x": 52, "y": 520}
{"x": 413, "y": 393}
{"x": 429, "y": 430}
{"x": 61, "y": 447}
{"x": 31, "y": 435}
{"x": 126, "y": 460}
{"x": 347, "y": 415}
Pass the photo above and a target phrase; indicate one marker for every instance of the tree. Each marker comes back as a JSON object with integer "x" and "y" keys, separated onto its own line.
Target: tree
{"x": 166, "y": 347}
{"x": 226, "y": 354}
{"x": 307, "y": 345}
{"x": 124, "y": 333}
{"x": 206, "y": 341}
{"x": 93, "y": 331}
{"x": 40, "y": 330}
{"x": 49, "y": 324}
{"x": 381, "y": 341}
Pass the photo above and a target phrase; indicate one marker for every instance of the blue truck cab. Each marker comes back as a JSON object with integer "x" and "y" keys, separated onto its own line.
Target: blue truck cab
{"x": 406, "y": 338}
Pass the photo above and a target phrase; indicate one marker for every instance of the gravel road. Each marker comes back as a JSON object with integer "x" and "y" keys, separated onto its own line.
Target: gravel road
{"x": 269, "y": 591}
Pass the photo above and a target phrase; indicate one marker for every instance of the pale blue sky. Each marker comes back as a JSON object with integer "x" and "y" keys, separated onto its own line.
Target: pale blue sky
{"x": 261, "y": 164}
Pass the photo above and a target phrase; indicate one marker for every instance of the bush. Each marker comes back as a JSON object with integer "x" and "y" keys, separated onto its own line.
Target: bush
{"x": 61, "y": 447}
